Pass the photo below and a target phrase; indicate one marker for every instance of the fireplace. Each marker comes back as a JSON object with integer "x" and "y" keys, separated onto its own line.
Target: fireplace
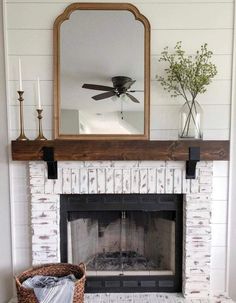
{"x": 128, "y": 242}
{"x": 142, "y": 179}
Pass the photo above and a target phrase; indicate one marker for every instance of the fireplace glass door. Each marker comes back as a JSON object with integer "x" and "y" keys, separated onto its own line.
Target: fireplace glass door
{"x": 123, "y": 242}
{"x": 129, "y": 242}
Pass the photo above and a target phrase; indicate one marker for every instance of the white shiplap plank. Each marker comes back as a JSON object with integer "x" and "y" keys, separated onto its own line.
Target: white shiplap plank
{"x": 193, "y": 39}
{"x": 134, "y": 2}
{"x": 218, "y": 92}
{"x": 219, "y": 134}
{"x": 172, "y": 134}
{"x": 180, "y": 15}
{"x": 33, "y": 15}
{"x": 216, "y": 116}
{"x": 30, "y": 42}
{"x": 31, "y": 134}
{"x": 163, "y": 134}
{"x": 30, "y": 92}
{"x": 32, "y": 67}
{"x": 41, "y": 66}
{"x": 39, "y": 42}
{"x": 30, "y": 118}
{"x": 166, "y": 116}
{"x": 189, "y": 15}
{"x": 219, "y": 212}
{"x": 222, "y": 62}
{"x": 220, "y": 168}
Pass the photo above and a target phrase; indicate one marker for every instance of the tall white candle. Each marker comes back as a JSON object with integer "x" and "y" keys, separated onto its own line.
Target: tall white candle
{"x": 39, "y": 96}
{"x": 20, "y": 75}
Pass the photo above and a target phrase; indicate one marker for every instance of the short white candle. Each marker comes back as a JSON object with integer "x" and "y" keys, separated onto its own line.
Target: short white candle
{"x": 20, "y": 75}
{"x": 39, "y": 97}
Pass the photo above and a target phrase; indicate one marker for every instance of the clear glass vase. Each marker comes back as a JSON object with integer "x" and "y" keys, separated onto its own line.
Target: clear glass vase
{"x": 190, "y": 120}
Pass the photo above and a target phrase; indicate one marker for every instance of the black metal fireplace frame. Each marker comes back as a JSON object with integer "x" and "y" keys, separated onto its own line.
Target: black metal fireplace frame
{"x": 124, "y": 202}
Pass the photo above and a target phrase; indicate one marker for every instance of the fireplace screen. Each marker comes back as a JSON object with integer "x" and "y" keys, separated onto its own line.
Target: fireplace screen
{"x": 126, "y": 241}
{"x": 123, "y": 241}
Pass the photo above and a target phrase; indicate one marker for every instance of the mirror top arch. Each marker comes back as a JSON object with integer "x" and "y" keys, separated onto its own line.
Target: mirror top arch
{"x": 57, "y": 78}
{"x": 100, "y": 6}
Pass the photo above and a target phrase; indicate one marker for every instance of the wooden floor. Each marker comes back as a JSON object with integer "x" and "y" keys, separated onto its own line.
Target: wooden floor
{"x": 147, "y": 298}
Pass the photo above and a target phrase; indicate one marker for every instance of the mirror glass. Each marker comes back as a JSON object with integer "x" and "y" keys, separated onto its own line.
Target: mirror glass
{"x": 101, "y": 74}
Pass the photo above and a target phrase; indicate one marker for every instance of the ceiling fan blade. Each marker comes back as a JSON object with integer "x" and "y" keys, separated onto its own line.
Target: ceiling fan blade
{"x": 104, "y": 95}
{"x": 135, "y": 91}
{"x": 97, "y": 87}
{"x": 132, "y": 98}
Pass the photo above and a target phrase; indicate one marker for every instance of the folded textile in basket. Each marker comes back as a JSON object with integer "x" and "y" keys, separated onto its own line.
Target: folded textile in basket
{"x": 49, "y": 289}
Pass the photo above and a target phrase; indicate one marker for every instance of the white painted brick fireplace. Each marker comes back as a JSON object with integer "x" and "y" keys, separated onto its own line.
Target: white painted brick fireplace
{"x": 123, "y": 177}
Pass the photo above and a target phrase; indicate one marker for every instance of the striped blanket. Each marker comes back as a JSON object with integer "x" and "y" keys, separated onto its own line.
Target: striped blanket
{"x": 49, "y": 289}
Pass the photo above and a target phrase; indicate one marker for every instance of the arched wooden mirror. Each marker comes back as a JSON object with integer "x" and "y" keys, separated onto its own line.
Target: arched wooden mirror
{"x": 101, "y": 72}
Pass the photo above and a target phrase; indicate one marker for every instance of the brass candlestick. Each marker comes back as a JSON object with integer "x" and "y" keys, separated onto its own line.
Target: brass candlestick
{"x": 40, "y": 117}
{"x": 22, "y": 136}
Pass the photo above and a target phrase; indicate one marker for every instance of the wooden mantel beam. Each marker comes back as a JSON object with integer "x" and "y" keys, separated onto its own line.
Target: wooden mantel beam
{"x": 89, "y": 150}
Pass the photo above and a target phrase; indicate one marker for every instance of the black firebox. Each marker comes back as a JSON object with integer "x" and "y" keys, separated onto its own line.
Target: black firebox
{"x": 129, "y": 242}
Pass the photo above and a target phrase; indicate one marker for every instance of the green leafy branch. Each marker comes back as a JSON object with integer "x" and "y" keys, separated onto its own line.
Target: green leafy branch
{"x": 186, "y": 75}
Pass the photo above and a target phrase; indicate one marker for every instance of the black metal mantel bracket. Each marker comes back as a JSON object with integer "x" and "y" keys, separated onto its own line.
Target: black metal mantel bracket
{"x": 48, "y": 156}
{"x": 194, "y": 157}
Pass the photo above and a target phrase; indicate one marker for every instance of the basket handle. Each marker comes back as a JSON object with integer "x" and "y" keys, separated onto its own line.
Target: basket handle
{"x": 83, "y": 267}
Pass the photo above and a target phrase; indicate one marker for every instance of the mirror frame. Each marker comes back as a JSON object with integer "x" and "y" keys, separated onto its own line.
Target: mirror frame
{"x": 56, "y": 69}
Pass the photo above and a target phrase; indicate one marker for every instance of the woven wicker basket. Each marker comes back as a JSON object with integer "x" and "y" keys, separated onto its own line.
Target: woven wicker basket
{"x": 25, "y": 295}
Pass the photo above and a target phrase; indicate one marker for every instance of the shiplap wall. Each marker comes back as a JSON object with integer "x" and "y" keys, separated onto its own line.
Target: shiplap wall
{"x": 28, "y": 26}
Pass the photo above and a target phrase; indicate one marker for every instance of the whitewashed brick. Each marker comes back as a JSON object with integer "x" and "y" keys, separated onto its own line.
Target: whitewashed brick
{"x": 126, "y": 181}
{"x": 185, "y": 183}
{"x": 66, "y": 180}
{"x": 143, "y": 175}
{"x": 58, "y": 182}
{"x": 135, "y": 181}
{"x": 169, "y": 182}
{"x": 37, "y": 181}
{"x": 118, "y": 181}
{"x": 92, "y": 181}
{"x": 37, "y": 169}
{"x": 75, "y": 181}
{"x": 101, "y": 180}
{"x": 109, "y": 181}
{"x": 125, "y": 177}
{"x": 152, "y": 180}
{"x": 177, "y": 181}
{"x": 83, "y": 181}
{"x": 48, "y": 185}
{"x": 160, "y": 180}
